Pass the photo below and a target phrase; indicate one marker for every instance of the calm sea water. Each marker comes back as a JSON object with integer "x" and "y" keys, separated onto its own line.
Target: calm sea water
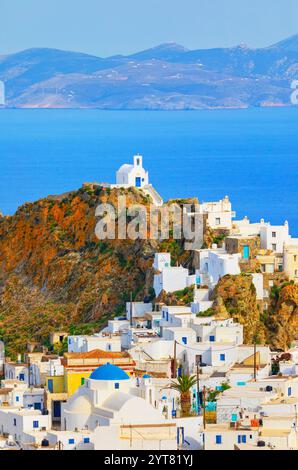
{"x": 250, "y": 155}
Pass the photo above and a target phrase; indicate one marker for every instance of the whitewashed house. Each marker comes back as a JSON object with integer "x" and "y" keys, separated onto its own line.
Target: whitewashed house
{"x": 17, "y": 370}
{"x": 219, "y": 213}
{"x": 17, "y": 421}
{"x": 105, "y": 341}
{"x": 169, "y": 278}
{"x": 214, "y": 264}
{"x": 245, "y": 228}
{"x": 273, "y": 237}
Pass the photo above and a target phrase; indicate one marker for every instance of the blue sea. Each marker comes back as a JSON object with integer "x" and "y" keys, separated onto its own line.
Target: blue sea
{"x": 250, "y": 155}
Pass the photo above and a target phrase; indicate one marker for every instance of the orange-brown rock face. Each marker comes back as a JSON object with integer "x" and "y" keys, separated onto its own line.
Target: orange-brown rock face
{"x": 55, "y": 272}
{"x": 238, "y": 295}
{"x": 283, "y": 322}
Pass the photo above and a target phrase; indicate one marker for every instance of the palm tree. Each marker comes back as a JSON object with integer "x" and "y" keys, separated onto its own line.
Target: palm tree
{"x": 183, "y": 386}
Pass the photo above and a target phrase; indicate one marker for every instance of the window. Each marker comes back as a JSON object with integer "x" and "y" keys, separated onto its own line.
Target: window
{"x": 222, "y": 357}
{"x": 138, "y": 161}
{"x": 109, "y": 347}
{"x": 184, "y": 340}
{"x": 274, "y": 246}
{"x": 217, "y": 221}
{"x": 37, "y": 406}
{"x": 17, "y": 398}
{"x": 295, "y": 258}
{"x": 82, "y": 380}
{"x": 71, "y": 441}
{"x": 14, "y": 422}
{"x": 117, "y": 386}
{"x": 86, "y": 440}
{"x": 22, "y": 377}
{"x": 289, "y": 391}
{"x": 218, "y": 439}
{"x": 242, "y": 439}
{"x": 263, "y": 268}
{"x": 35, "y": 424}
{"x": 273, "y": 234}
{"x": 212, "y": 338}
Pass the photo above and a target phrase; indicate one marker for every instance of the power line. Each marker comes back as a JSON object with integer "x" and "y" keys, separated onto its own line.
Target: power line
{"x": 203, "y": 350}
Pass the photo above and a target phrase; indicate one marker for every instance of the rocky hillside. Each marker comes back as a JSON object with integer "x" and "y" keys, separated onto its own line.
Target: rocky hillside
{"x": 282, "y": 323}
{"x": 235, "y": 296}
{"x": 55, "y": 273}
{"x": 168, "y": 76}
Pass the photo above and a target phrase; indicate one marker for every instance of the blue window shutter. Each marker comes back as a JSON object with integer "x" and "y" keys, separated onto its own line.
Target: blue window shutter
{"x": 184, "y": 340}
{"x": 35, "y": 424}
{"x": 244, "y": 439}
{"x": 71, "y": 441}
{"x": 86, "y": 440}
{"x": 289, "y": 391}
{"x": 239, "y": 439}
{"x": 116, "y": 385}
{"x": 218, "y": 439}
{"x": 222, "y": 357}
{"x": 212, "y": 338}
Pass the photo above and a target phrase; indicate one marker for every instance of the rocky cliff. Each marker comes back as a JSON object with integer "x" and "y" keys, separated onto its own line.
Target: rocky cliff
{"x": 282, "y": 321}
{"x": 54, "y": 272}
{"x": 235, "y": 296}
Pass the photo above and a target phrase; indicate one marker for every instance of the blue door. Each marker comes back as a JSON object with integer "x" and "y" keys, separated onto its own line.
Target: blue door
{"x": 246, "y": 252}
{"x": 138, "y": 182}
{"x": 57, "y": 409}
{"x": 50, "y": 385}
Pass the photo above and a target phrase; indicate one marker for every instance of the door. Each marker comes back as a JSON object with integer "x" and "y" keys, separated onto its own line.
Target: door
{"x": 50, "y": 385}
{"x": 245, "y": 254}
{"x": 138, "y": 182}
{"x": 57, "y": 409}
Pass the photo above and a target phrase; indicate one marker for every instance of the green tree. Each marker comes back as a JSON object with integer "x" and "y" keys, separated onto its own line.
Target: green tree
{"x": 183, "y": 386}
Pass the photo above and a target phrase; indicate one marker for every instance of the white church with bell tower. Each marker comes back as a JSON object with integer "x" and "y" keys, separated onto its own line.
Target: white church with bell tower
{"x": 133, "y": 175}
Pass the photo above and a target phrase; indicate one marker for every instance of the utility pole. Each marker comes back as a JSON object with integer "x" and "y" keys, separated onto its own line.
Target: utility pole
{"x": 175, "y": 359}
{"x": 255, "y": 359}
{"x": 204, "y": 407}
{"x": 198, "y": 384}
{"x": 130, "y": 309}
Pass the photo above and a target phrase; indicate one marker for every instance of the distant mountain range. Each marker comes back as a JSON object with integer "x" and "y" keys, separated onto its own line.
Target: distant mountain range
{"x": 168, "y": 76}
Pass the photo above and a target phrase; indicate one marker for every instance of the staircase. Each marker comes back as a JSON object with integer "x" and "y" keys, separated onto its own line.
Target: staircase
{"x": 150, "y": 191}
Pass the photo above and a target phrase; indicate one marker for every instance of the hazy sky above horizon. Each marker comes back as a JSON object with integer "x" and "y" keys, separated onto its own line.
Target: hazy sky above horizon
{"x": 107, "y": 27}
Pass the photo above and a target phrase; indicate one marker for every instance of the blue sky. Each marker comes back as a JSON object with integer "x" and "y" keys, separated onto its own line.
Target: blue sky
{"x": 107, "y": 27}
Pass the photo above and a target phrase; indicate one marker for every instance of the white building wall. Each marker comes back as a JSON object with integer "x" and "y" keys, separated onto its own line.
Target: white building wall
{"x": 273, "y": 237}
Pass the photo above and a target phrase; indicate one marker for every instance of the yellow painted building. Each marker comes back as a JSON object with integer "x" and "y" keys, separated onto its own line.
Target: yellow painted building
{"x": 73, "y": 379}
{"x": 67, "y": 383}
{"x": 55, "y": 384}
